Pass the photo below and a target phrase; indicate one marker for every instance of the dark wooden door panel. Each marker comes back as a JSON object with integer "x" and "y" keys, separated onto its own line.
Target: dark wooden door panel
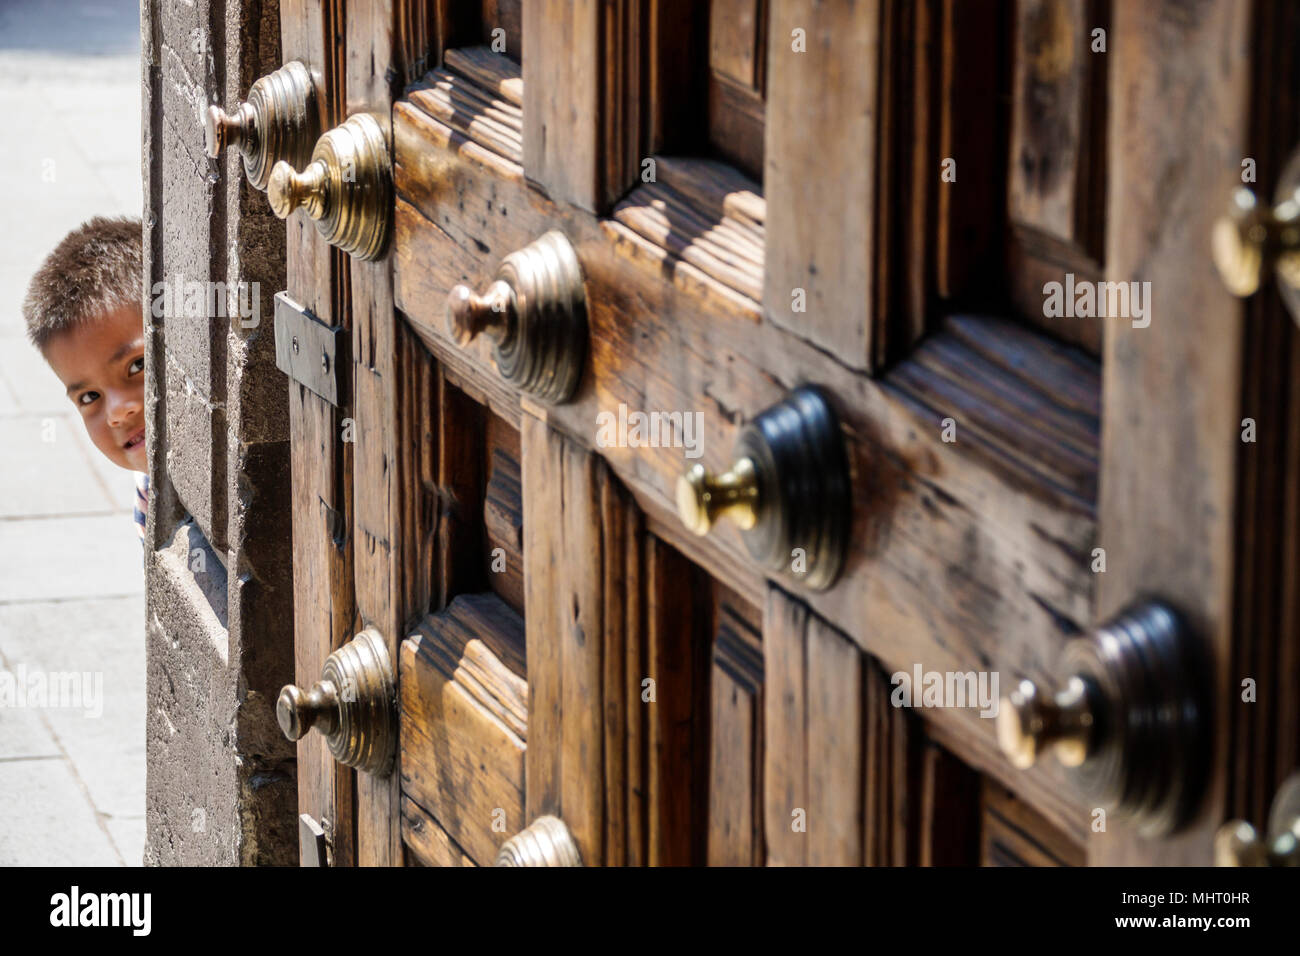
{"x": 1056, "y": 168}
{"x": 964, "y": 552}
{"x": 737, "y": 82}
{"x": 1012, "y": 834}
{"x": 736, "y": 739}
{"x": 868, "y": 197}
{"x": 581, "y": 568}
{"x": 503, "y": 514}
{"x": 850, "y": 777}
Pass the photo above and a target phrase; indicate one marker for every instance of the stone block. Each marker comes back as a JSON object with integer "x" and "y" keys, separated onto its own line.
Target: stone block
{"x": 222, "y": 790}
{"x": 195, "y": 454}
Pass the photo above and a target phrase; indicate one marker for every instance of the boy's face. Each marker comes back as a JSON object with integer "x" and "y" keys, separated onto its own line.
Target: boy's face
{"x": 101, "y": 364}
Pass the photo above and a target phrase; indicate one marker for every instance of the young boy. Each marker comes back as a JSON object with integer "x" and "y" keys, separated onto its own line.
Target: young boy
{"x": 84, "y": 312}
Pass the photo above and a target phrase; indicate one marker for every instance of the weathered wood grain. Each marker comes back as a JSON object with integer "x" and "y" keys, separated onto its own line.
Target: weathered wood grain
{"x": 737, "y": 29}
{"x": 814, "y": 739}
{"x": 840, "y": 759}
{"x": 617, "y": 665}
{"x": 863, "y": 221}
{"x": 737, "y": 78}
{"x": 419, "y": 417}
{"x": 325, "y": 615}
{"x": 563, "y": 147}
{"x": 1012, "y": 834}
{"x": 505, "y": 15}
{"x": 677, "y": 732}
{"x": 833, "y": 740}
{"x": 503, "y": 513}
{"x": 479, "y": 95}
{"x": 464, "y": 699}
{"x": 704, "y": 213}
{"x": 1021, "y": 399}
{"x": 736, "y": 744}
{"x": 962, "y": 559}
{"x": 426, "y": 840}
{"x": 380, "y": 517}
{"x": 1265, "y": 742}
{"x": 1056, "y": 174}
{"x": 1169, "y": 467}
{"x": 606, "y": 85}
{"x": 562, "y": 565}
{"x": 459, "y": 470}
{"x": 785, "y": 758}
{"x": 820, "y": 186}
{"x": 498, "y": 74}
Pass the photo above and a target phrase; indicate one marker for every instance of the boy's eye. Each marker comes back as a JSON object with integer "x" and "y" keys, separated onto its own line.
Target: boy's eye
{"x": 137, "y": 366}
{"x": 86, "y": 398}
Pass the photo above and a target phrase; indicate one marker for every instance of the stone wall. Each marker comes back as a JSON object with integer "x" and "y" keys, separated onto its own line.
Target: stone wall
{"x": 221, "y": 778}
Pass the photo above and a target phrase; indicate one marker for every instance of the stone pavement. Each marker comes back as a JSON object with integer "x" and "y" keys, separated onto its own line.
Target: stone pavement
{"x": 71, "y": 586}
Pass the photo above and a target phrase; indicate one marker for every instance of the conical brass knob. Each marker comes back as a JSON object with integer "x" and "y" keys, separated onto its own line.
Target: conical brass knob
{"x": 347, "y": 188}
{"x": 299, "y": 711}
{"x": 544, "y": 842}
{"x": 535, "y": 313}
{"x": 1130, "y": 721}
{"x": 354, "y": 705}
{"x": 279, "y": 122}
{"x": 787, "y": 489}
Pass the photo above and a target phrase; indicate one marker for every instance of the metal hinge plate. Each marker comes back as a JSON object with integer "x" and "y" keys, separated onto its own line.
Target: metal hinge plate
{"x": 309, "y": 351}
{"x": 313, "y": 845}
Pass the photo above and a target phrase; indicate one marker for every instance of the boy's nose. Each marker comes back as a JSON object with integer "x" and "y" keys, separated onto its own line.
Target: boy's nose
{"x": 121, "y": 407}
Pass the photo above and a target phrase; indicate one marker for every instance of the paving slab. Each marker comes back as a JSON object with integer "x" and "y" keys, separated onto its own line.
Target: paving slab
{"x": 103, "y": 642}
{"x": 52, "y": 476}
{"x": 23, "y": 734}
{"x": 119, "y": 482}
{"x": 44, "y": 559}
{"x": 46, "y": 820}
{"x": 128, "y": 835}
{"x": 33, "y": 384}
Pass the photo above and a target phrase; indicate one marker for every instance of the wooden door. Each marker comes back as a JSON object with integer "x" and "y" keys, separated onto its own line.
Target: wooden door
{"x": 869, "y": 197}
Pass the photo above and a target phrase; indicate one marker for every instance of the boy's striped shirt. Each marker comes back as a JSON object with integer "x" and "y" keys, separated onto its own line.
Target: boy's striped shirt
{"x": 141, "y": 502}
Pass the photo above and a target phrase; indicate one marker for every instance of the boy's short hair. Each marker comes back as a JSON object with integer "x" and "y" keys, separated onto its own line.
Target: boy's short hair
{"x": 96, "y": 269}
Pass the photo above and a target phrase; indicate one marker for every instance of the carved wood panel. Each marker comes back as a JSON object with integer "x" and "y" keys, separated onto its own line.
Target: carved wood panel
{"x": 799, "y": 227}
{"x": 1056, "y": 190}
